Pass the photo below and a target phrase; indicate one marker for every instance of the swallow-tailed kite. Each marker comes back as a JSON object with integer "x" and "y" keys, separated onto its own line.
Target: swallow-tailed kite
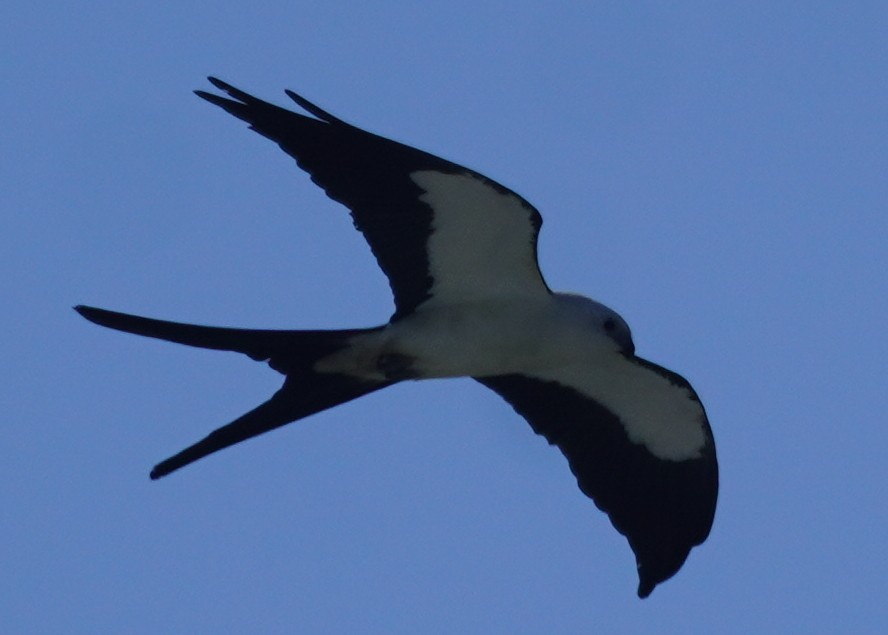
{"x": 459, "y": 251}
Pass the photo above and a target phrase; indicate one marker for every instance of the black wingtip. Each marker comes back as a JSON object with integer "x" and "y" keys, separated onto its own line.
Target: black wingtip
{"x": 111, "y": 319}
{"x": 157, "y": 473}
{"x": 218, "y": 83}
{"x": 170, "y": 465}
{"x": 205, "y": 95}
{"x": 645, "y": 588}
{"x": 91, "y": 313}
{"x": 231, "y": 91}
{"x": 313, "y": 109}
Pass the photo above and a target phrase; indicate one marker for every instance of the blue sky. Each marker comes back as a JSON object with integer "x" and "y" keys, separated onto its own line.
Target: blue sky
{"x": 716, "y": 172}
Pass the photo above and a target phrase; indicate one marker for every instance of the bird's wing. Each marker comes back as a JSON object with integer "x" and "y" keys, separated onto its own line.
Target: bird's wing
{"x": 640, "y": 446}
{"x": 439, "y": 231}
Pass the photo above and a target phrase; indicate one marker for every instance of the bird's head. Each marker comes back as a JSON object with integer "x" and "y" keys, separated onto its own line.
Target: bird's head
{"x": 602, "y": 318}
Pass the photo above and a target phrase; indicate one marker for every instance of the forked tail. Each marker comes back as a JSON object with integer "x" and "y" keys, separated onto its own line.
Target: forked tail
{"x": 293, "y": 353}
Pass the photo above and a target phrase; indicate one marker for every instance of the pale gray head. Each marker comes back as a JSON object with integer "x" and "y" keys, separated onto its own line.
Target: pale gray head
{"x": 603, "y": 318}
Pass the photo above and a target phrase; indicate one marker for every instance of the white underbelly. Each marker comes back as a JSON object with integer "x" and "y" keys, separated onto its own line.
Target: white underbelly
{"x": 473, "y": 339}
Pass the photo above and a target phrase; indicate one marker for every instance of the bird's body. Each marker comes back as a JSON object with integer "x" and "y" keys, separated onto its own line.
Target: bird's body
{"x": 460, "y": 254}
{"x": 479, "y": 338}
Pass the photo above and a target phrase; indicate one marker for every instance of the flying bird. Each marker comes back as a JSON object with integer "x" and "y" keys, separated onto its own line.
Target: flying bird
{"x": 459, "y": 252}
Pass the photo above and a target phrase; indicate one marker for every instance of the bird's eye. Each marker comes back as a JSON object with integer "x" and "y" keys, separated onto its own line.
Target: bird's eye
{"x": 609, "y": 325}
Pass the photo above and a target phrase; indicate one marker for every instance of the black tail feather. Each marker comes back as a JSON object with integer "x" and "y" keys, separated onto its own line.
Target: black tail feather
{"x": 291, "y": 403}
{"x": 293, "y": 353}
{"x": 286, "y": 351}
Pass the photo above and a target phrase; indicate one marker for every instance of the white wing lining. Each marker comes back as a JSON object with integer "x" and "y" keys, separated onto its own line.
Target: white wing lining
{"x": 483, "y": 240}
